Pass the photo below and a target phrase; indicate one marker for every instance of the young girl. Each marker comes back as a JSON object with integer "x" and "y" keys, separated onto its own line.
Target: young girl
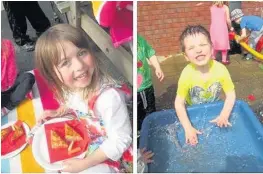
{"x": 218, "y": 29}
{"x": 65, "y": 60}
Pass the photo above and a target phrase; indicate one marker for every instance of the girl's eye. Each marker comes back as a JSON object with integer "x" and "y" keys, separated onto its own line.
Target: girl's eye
{"x": 82, "y": 53}
{"x": 191, "y": 48}
{"x": 203, "y": 44}
{"x": 64, "y": 63}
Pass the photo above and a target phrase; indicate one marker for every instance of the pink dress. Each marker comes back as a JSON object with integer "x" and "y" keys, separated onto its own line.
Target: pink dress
{"x": 218, "y": 28}
{"x": 8, "y": 65}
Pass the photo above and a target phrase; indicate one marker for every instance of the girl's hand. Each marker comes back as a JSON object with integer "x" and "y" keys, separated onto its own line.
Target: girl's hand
{"x": 231, "y": 29}
{"x": 146, "y": 155}
{"x": 47, "y": 114}
{"x": 221, "y": 121}
{"x": 159, "y": 74}
{"x": 74, "y": 165}
{"x": 191, "y": 136}
{"x": 53, "y": 113}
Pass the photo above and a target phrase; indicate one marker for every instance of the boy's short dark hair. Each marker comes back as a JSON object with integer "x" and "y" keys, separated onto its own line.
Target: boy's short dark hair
{"x": 192, "y": 30}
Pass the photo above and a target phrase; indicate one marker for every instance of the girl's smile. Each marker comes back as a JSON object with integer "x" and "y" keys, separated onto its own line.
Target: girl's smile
{"x": 76, "y": 67}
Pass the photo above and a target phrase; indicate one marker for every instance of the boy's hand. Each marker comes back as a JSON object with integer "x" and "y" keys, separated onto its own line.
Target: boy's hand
{"x": 221, "y": 121}
{"x": 74, "y": 165}
{"x": 159, "y": 74}
{"x": 238, "y": 39}
{"x": 191, "y": 136}
{"x": 146, "y": 155}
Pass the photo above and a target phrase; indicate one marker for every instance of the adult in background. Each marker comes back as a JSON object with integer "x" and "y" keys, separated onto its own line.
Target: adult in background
{"x": 17, "y": 12}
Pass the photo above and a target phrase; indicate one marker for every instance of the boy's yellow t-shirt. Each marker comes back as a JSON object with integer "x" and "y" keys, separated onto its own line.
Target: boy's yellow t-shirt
{"x": 195, "y": 90}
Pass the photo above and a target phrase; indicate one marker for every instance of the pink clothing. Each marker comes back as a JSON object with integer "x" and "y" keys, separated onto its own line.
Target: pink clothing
{"x": 218, "y": 28}
{"x": 8, "y": 65}
{"x": 119, "y": 19}
{"x": 121, "y": 30}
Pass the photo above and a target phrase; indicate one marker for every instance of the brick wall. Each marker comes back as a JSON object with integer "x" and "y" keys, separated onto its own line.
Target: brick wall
{"x": 252, "y": 8}
{"x": 161, "y": 23}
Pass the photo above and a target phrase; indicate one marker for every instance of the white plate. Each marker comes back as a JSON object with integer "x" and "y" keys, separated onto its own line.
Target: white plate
{"x": 40, "y": 149}
{"x": 17, "y": 151}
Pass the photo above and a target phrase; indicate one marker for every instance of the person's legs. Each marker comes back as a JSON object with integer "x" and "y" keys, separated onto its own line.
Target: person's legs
{"x": 150, "y": 99}
{"x": 224, "y": 56}
{"x": 5, "y": 98}
{"x": 22, "y": 86}
{"x": 145, "y": 105}
{"x": 253, "y": 39}
{"x": 140, "y": 111}
{"x": 36, "y": 17}
{"x": 17, "y": 21}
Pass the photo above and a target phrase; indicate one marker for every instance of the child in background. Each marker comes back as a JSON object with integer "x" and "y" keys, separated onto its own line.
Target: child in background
{"x": 145, "y": 92}
{"x": 65, "y": 60}
{"x": 220, "y": 22}
{"x": 118, "y": 17}
{"x": 14, "y": 86}
{"x": 144, "y": 158}
{"x": 202, "y": 81}
{"x": 252, "y": 23}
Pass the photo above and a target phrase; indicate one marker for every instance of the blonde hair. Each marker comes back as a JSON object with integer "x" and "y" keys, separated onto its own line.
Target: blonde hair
{"x": 47, "y": 54}
{"x": 219, "y": 3}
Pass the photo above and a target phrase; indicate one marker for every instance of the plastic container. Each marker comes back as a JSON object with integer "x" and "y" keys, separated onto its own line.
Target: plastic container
{"x": 234, "y": 149}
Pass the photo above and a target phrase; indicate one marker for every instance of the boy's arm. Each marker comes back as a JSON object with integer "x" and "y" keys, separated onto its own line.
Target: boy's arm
{"x": 190, "y": 131}
{"x": 243, "y": 35}
{"x": 151, "y": 57}
{"x": 223, "y": 119}
{"x": 158, "y": 70}
{"x": 229, "y": 89}
{"x": 229, "y": 104}
{"x": 180, "y": 109}
{"x": 182, "y": 92}
{"x": 154, "y": 62}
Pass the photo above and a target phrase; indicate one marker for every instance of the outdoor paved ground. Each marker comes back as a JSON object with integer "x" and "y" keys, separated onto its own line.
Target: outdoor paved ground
{"x": 246, "y": 75}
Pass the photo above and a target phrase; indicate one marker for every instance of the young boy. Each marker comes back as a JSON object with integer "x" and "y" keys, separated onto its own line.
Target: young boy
{"x": 252, "y": 23}
{"x": 145, "y": 92}
{"x": 201, "y": 81}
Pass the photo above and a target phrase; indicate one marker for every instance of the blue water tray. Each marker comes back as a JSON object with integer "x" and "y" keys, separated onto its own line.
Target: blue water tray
{"x": 234, "y": 149}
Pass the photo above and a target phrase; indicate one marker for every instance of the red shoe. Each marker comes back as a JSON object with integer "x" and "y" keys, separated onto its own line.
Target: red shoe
{"x": 226, "y": 62}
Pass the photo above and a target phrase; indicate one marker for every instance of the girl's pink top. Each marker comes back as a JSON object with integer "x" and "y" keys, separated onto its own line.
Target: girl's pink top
{"x": 8, "y": 65}
{"x": 218, "y": 28}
